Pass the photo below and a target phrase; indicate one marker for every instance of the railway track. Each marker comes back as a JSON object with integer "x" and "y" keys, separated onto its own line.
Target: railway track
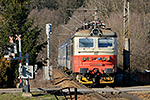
{"x": 125, "y": 94}
{"x": 96, "y": 94}
{"x": 67, "y": 77}
{"x": 107, "y": 93}
{"x": 115, "y": 94}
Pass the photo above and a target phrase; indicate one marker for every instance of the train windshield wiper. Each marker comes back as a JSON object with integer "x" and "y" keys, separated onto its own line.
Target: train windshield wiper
{"x": 89, "y": 40}
{"x": 107, "y": 40}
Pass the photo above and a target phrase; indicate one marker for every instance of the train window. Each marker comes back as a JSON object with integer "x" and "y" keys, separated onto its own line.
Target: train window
{"x": 61, "y": 52}
{"x": 85, "y": 42}
{"x": 105, "y": 42}
{"x": 64, "y": 51}
{"x": 58, "y": 53}
{"x": 68, "y": 51}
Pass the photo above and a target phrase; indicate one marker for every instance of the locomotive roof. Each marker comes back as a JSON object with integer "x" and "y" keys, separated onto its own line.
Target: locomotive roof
{"x": 92, "y": 29}
{"x": 87, "y": 32}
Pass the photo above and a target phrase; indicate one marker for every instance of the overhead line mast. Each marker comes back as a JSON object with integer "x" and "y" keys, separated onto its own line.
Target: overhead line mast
{"x": 126, "y": 46}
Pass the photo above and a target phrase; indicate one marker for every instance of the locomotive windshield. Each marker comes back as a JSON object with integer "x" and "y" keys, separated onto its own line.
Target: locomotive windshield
{"x": 85, "y": 42}
{"x": 105, "y": 42}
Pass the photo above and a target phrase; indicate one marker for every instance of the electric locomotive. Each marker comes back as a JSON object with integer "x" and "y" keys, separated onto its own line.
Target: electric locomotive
{"x": 90, "y": 54}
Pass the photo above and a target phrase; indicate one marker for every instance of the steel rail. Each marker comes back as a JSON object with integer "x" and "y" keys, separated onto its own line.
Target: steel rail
{"x": 119, "y": 92}
{"x": 129, "y": 96}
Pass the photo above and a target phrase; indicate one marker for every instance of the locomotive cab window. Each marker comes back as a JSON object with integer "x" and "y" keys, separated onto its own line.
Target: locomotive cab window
{"x": 105, "y": 42}
{"x": 58, "y": 53}
{"x": 86, "y": 42}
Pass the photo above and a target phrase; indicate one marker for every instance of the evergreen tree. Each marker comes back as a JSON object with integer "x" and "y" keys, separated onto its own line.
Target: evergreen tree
{"x": 14, "y": 20}
{"x": 41, "y": 4}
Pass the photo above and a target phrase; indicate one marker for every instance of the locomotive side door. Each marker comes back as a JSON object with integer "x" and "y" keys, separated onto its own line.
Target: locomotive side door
{"x": 72, "y": 54}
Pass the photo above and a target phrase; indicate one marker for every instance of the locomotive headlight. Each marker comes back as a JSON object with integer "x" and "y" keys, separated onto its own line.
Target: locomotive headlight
{"x": 95, "y": 31}
{"x": 108, "y": 58}
{"x": 84, "y": 59}
{"x": 108, "y": 70}
{"x": 104, "y": 58}
{"x": 87, "y": 58}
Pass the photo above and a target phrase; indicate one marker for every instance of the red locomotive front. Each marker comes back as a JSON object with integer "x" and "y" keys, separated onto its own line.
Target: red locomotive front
{"x": 95, "y": 56}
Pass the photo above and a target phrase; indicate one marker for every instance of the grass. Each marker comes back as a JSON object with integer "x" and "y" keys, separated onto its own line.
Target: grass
{"x": 36, "y": 96}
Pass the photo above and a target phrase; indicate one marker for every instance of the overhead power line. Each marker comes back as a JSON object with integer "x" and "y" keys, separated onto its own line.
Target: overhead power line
{"x": 107, "y": 7}
{"x": 67, "y": 29}
{"x": 6, "y": 21}
{"x": 75, "y": 21}
{"x": 78, "y": 19}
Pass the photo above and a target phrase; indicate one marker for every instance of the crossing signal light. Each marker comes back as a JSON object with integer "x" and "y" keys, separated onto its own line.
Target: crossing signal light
{"x": 8, "y": 50}
{"x": 11, "y": 48}
{"x": 15, "y": 48}
{"x": 35, "y": 69}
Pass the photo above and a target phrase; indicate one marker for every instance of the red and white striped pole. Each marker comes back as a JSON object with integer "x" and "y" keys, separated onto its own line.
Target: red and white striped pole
{"x": 20, "y": 56}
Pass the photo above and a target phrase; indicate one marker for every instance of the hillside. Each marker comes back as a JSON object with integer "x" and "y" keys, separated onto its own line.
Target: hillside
{"x": 111, "y": 12}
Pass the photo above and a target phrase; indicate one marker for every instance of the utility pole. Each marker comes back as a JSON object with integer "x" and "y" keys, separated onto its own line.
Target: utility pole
{"x": 126, "y": 45}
